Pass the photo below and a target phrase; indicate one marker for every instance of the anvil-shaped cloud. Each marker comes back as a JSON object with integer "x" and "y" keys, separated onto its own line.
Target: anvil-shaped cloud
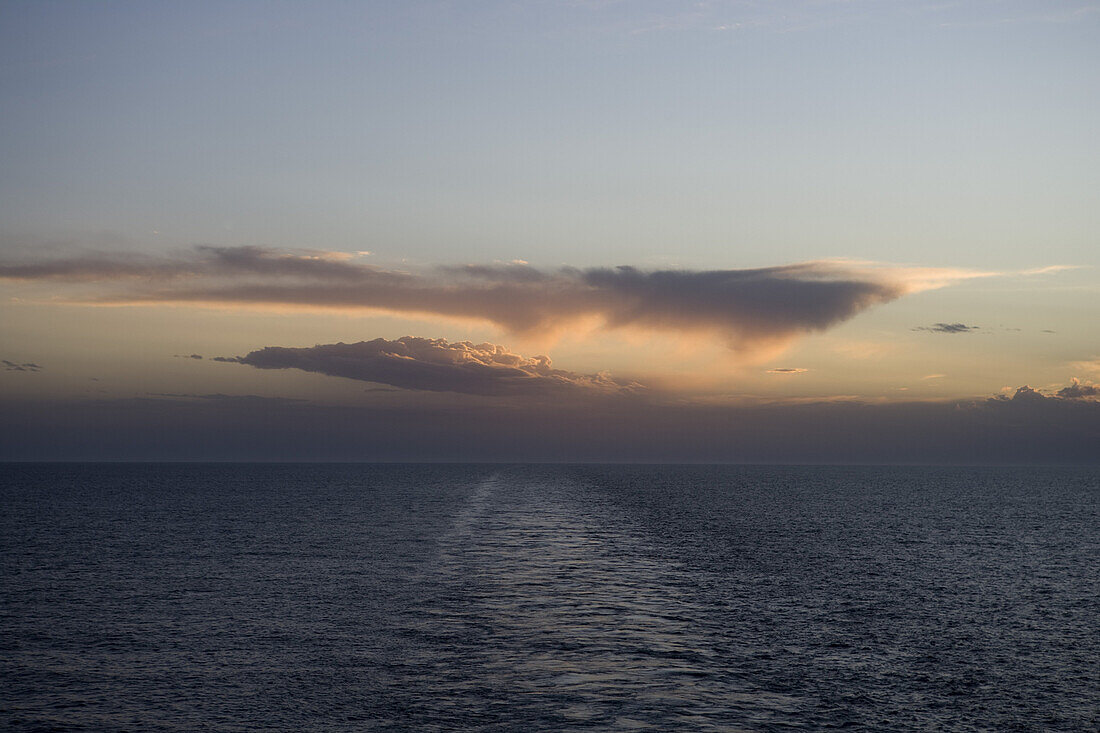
{"x": 438, "y": 366}
{"x": 748, "y": 307}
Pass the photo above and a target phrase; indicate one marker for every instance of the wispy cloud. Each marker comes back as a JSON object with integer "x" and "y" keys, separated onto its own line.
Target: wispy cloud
{"x": 1091, "y": 366}
{"x": 1050, "y": 269}
{"x": 438, "y": 366}
{"x": 787, "y": 370}
{"x": 948, "y": 328}
{"x": 27, "y": 366}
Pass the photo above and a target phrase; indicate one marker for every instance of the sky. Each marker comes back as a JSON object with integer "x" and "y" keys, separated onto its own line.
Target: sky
{"x": 819, "y": 231}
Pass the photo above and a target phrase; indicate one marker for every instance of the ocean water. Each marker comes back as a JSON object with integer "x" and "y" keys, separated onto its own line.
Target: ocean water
{"x": 530, "y": 598}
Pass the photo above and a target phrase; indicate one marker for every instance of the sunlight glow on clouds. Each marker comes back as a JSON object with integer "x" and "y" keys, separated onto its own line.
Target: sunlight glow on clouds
{"x": 1090, "y": 365}
{"x": 753, "y": 310}
{"x": 438, "y": 366}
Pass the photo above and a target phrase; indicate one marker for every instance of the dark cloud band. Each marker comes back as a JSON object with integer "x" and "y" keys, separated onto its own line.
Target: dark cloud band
{"x": 249, "y": 427}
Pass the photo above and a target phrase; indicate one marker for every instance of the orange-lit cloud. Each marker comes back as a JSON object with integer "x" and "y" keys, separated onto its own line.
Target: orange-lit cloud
{"x": 438, "y": 366}
{"x": 754, "y": 310}
{"x": 1078, "y": 390}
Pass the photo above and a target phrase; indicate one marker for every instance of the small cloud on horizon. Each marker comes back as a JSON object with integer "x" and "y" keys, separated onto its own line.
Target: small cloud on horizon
{"x": 1078, "y": 390}
{"x": 436, "y": 365}
{"x": 947, "y": 328}
{"x": 1075, "y": 391}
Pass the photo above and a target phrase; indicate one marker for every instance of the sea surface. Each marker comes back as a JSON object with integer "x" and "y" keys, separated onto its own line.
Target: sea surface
{"x": 548, "y": 598}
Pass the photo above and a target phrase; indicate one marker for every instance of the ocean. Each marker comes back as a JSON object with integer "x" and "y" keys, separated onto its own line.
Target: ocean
{"x": 328, "y": 597}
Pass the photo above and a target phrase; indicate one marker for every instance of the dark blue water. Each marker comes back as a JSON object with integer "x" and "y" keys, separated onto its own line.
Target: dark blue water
{"x": 431, "y": 598}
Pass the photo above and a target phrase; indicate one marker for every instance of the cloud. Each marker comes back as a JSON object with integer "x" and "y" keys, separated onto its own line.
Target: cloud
{"x": 1022, "y": 394}
{"x": 200, "y": 261}
{"x": 1076, "y": 390}
{"x": 749, "y": 308}
{"x": 948, "y": 328}
{"x": 787, "y": 370}
{"x": 437, "y": 366}
{"x": 11, "y": 366}
{"x": 932, "y": 376}
{"x": 1049, "y": 269}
